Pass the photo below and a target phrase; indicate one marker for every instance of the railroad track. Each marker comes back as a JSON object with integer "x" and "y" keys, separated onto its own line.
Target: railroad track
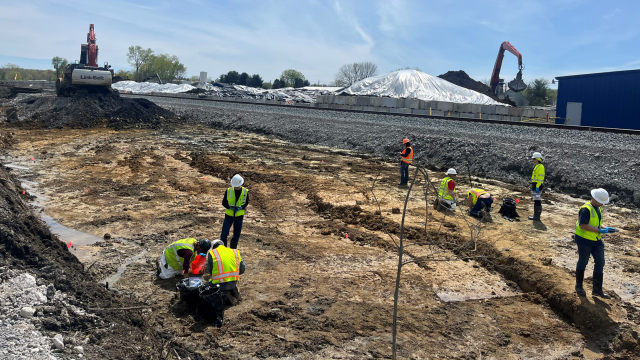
{"x": 486, "y": 121}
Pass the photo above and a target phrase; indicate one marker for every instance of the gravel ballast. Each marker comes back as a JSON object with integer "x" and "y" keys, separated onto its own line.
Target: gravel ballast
{"x": 575, "y": 161}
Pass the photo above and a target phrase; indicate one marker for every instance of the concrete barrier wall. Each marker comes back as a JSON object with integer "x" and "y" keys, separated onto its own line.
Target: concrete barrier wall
{"x": 412, "y": 103}
{"x": 489, "y": 109}
{"x": 422, "y": 107}
{"x": 502, "y": 110}
{"x": 515, "y": 111}
{"x": 363, "y": 101}
{"x": 389, "y": 102}
{"x": 376, "y": 101}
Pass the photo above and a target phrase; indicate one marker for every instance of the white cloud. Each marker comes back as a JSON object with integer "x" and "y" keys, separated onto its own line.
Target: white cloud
{"x": 394, "y": 15}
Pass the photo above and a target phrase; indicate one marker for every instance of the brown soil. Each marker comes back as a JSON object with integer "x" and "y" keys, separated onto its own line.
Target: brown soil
{"x": 310, "y": 290}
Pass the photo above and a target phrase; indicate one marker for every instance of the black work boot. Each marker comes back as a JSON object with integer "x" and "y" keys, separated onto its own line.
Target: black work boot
{"x": 597, "y": 286}
{"x": 579, "y": 279}
{"x": 537, "y": 210}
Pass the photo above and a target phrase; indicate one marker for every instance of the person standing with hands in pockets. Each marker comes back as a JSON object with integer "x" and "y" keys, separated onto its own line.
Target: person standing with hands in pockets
{"x": 235, "y": 201}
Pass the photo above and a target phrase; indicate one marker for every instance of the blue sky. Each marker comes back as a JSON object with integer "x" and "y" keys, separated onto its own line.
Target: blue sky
{"x": 316, "y": 37}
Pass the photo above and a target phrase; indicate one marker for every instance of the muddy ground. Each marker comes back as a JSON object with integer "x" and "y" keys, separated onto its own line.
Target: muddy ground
{"x": 311, "y": 291}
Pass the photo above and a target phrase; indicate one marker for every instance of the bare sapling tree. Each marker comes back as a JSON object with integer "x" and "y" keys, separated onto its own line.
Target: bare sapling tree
{"x": 440, "y": 246}
{"x": 350, "y": 74}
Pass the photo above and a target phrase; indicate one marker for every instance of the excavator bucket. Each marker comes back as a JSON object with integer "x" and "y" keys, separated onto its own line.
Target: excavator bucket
{"x": 517, "y": 84}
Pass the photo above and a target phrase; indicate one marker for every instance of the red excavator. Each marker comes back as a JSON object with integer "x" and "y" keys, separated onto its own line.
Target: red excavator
{"x": 85, "y": 76}
{"x": 516, "y": 84}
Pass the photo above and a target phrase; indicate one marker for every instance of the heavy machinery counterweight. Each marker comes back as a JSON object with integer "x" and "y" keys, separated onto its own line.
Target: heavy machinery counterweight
{"x": 85, "y": 76}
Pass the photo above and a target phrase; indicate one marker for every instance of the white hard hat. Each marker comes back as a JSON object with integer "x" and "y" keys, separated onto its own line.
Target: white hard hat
{"x": 452, "y": 171}
{"x": 216, "y": 243}
{"x": 600, "y": 195}
{"x": 536, "y": 155}
{"x": 237, "y": 180}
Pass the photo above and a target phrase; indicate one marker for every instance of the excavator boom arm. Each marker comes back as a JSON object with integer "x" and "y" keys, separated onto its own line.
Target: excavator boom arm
{"x": 92, "y": 48}
{"x": 495, "y": 76}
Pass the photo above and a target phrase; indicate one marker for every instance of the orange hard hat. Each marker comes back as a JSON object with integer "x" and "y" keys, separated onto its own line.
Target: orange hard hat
{"x": 405, "y": 140}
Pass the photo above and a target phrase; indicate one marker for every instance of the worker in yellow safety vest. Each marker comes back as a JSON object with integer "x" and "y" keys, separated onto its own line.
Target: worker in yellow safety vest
{"x": 235, "y": 201}
{"x": 176, "y": 258}
{"x": 447, "y": 192}
{"x": 225, "y": 266}
{"x": 537, "y": 180}
{"x": 588, "y": 237}
{"x": 477, "y": 200}
{"x": 405, "y": 161}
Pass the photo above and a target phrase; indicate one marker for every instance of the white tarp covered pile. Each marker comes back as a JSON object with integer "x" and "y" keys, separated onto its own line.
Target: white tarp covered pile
{"x": 147, "y": 88}
{"x": 416, "y": 84}
{"x": 305, "y": 95}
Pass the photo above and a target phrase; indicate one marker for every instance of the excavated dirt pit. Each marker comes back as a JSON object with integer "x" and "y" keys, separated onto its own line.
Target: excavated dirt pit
{"x": 311, "y": 292}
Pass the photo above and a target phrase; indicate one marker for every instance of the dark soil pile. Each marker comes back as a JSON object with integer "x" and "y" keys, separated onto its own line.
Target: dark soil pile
{"x": 27, "y": 244}
{"x": 461, "y": 78}
{"x": 91, "y": 110}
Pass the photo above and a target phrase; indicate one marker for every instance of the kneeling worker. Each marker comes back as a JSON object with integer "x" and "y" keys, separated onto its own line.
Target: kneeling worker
{"x": 479, "y": 199}
{"x": 447, "y": 193}
{"x": 225, "y": 266}
{"x": 177, "y": 257}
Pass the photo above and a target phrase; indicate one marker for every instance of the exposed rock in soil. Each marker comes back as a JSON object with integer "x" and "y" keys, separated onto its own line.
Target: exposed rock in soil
{"x": 64, "y": 293}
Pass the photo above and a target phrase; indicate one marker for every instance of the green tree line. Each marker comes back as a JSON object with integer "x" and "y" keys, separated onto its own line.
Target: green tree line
{"x": 145, "y": 63}
{"x": 538, "y": 93}
{"x": 288, "y": 78}
{"x": 14, "y": 72}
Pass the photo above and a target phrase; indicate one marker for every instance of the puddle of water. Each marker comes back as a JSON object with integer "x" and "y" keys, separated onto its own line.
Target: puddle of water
{"x": 113, "y": 278}
{"x": 16, "y": 167}
{"x": 67, "y": 234}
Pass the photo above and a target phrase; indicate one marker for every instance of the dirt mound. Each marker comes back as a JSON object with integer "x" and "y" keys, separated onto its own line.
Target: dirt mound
{"x": 26, "y": 244}
{"x": 90, "y": 110}
{"x": 461, "y": 78}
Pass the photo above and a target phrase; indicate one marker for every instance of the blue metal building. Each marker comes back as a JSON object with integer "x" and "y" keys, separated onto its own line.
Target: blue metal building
{"x": 608, "y": 99}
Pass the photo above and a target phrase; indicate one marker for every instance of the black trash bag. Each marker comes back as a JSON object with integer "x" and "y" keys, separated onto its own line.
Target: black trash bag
{"x": 211, "y": 304}
{"x": 188, "y": 294}
{"x": 508, "y": 209}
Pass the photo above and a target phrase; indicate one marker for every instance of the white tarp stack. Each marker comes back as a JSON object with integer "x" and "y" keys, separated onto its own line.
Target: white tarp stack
{"x": 305, "y": 95}
{"x": 416, "y": 84}
{"x": 147, "y": 88}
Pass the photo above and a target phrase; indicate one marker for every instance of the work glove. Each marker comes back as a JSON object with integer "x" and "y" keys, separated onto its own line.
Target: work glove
{"x": 604, "y": 231}
{"x": 611, "y": 229}
{"x": 233, "y": 208}
{"x": 537, "y": 189}
{"x": 239, "y": 208}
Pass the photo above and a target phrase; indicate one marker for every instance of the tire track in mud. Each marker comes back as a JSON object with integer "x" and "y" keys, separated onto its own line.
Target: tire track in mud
{"x": 592, "y": 320}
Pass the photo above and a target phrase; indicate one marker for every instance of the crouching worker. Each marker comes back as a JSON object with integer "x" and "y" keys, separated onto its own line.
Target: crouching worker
{"x": 177, "y": 257}
{"x": 447, "y": 193}
{"x": 225, "y": 266}
{"x": 479, "y": 199}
